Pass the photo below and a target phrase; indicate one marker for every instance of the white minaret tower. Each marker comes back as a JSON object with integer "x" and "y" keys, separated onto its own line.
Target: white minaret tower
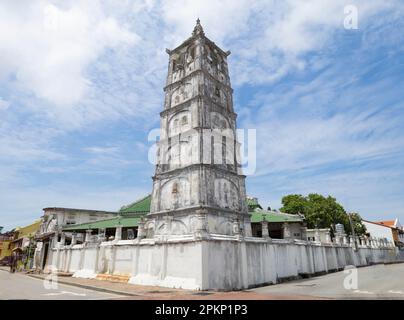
{"x": 198, "y": 188}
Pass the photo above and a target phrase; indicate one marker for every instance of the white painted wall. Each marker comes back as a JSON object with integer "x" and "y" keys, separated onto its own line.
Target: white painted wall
{"x": 222, "y": 264}
{"x": 322, "y": 233}
{"x": 379, "y": 231}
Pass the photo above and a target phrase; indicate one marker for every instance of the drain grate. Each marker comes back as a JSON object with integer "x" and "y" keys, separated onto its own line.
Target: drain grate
{"x": 202, "y": 293}
{"x": 305, "y": 285}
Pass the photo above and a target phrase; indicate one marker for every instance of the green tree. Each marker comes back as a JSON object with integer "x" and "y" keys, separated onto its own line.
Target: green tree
{"x": 357, "y": 223}
{"x": 321, "y": 212}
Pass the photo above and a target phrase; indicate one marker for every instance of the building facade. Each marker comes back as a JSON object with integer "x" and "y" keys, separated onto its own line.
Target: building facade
{"x": 6, "y": 246}
{"x": 388, "y": 230}
{"x": 23, "y": 245}
{"x": 264, "y": 223}
{"x": 51, "y": 226}
{"x": 273, "y": 224}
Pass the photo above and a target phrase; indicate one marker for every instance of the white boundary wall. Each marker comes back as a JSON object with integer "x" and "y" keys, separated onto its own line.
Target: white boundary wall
{"x": 221, "y": 263}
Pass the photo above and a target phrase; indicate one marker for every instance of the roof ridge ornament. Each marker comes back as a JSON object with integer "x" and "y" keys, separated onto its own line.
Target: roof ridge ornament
{"x": 198, "y": 28}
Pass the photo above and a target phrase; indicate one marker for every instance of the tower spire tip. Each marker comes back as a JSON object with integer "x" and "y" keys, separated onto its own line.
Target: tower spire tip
{"x": 198, "y": 28}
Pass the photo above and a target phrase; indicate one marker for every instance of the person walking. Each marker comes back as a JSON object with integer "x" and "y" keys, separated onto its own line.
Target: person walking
{"x": 13, "y": 263}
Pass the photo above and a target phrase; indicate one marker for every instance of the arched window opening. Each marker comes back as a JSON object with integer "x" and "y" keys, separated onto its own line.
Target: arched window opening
{"x": 175, "y": 188}
{"x": 192, "y": 53}
{"x": 184, "y": 120}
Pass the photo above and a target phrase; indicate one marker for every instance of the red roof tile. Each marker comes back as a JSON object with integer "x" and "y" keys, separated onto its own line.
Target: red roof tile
{"x": 388, "y": 223}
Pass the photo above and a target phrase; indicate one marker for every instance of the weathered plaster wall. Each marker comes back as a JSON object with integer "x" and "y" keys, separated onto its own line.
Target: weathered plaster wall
{"x": 222, "y": 264}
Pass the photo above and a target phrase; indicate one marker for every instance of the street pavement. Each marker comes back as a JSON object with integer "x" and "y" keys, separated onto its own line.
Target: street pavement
{"x": 374, "y": 282}
{"x": 19, "y": 286}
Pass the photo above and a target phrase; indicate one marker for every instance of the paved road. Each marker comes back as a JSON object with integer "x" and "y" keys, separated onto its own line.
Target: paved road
{"x": 21, "y": 287}
{"x": 375, "y": 282}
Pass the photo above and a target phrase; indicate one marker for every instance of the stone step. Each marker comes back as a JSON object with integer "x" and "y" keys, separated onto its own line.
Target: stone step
{"x": 113, "y": 277}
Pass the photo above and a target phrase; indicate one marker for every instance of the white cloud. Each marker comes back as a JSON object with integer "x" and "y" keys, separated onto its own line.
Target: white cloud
{"x": 221, "y": 19}
{"x": 73, "y": 63}
{"x": 56, "y": 49}
{"x": 101, "y": 150}
{"x": 49, "y": 45}
{"x": 318, "y": 123}
{"x": 4, "y": 104}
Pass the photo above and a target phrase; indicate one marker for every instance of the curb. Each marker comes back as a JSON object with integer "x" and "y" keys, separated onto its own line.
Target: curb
{"x": 88, "y": 287}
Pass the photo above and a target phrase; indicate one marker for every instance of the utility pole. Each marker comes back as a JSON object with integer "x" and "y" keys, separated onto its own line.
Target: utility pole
{"x": 353, "y": 231}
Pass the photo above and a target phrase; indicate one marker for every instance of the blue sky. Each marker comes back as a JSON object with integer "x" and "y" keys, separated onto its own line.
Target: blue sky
{"x": 81, "y": 87}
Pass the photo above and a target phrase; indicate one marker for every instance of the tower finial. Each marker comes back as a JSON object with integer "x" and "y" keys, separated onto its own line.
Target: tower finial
{"x": 198, "y": 28}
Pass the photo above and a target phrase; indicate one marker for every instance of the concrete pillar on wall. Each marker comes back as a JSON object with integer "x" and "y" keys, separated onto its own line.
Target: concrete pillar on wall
{"x": 118, "y": 233}
{"x": 316, "y": 236}
{"x": 201, "y": 225}
{"x": 373, "y": 242}
{"x": 74, "y": 239}
{"x": 345, "y": 239}
{"x": 236, "y": 229}
{"x": 286, "y": 231}
{"x": 265, "y": 231}
{"x": 140, "y": 230}
{"x": 303, "y": 232}
{"x": 357, "y": 240}
{"x": 101, "y": 234}
{"x": 351, "y": 241}
{"x": 362, "y": 241}
{"x": 328, "y": 237}
{"x": 247, "y": 227}
{"x": 88, "y": 235}
{"x": 62, "y": 239}
{"x": 55, "y": 240}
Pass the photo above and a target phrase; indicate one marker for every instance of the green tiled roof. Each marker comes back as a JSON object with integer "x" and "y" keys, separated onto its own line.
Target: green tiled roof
{"x": 258, "y": 216}
{"x": 131, "y": 221}
{"x": 130, "y": 215}
{"x": 139, "y": 206}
